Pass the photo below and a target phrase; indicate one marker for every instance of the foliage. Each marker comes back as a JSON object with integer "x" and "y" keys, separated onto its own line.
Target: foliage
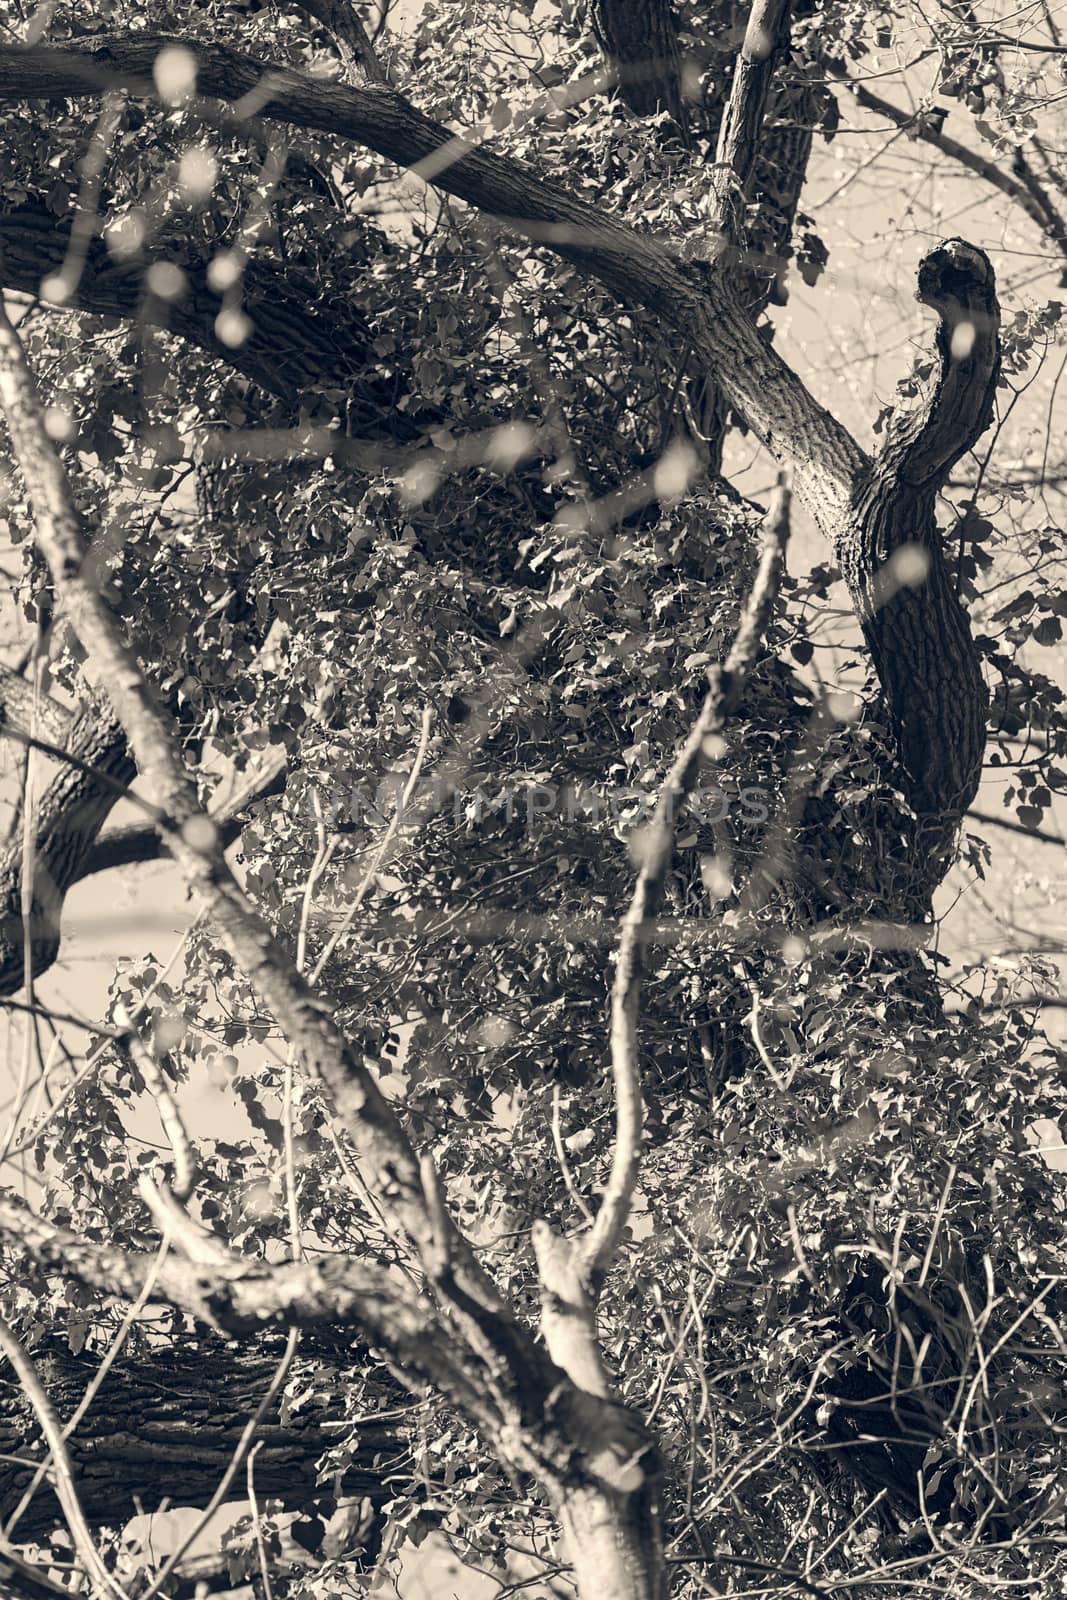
{"x": 840, "y": 1296}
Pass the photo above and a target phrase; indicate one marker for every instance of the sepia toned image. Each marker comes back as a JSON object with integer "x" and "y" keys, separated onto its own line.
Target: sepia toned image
{"x": 533, "y": 799}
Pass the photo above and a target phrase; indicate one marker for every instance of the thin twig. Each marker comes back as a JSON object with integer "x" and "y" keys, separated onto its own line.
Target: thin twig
{"x": 386, "y": 839}
{"x": 257, "y": 1528}
{"x": 185, "y": 1164}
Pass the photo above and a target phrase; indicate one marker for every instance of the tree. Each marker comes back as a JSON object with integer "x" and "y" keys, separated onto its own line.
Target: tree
{"x": 730, "y": 1261}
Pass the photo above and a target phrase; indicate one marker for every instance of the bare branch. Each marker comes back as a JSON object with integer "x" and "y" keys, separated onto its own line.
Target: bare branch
{"x": 891, "y": 556}
{"x": 1041, "y": 834}
{"x": 1023, "y": 191}
{"x": 656, "y": 846}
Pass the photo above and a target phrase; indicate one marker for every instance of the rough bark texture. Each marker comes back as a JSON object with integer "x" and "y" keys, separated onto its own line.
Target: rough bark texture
{"x": 639, "y": 39}
{"x": 165, "y": 1426}
{"x": 919, "y": 637}
{"x": 68, "y": 817}
{"x": 293, "y": 350}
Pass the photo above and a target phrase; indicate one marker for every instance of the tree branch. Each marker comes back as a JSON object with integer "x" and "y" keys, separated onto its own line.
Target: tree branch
{"x": 66, "y": 1491}
{"x": 1041, "y": 834}
{"x": 342, "y": 21}
{"x": 635, "y": 266}
{"x": 640, "y": 43}
{"x": 19, "y": 705}
{"x": 1023, "y": 191}
{"x": 501, "y": 1380}
{"x": 240, "y": 1297}
{"x": 307, "y": 1020}
{"x": 291, "y": 351}
{"x": 829, "y": 469}
{"x": 69, "y": 815}
{"x": 127, "y": 846}
{"x": 891, "y": 557}
{"x": 766, "y": 41}
{"x": 656, "y": 846}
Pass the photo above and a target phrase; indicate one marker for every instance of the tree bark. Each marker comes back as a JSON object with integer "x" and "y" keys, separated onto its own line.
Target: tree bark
{"x": 640, "y": 43}
{"x": 166, "y": 1424}
{"x": 924, "y": 654}
{"x": 67, "y": 819}
{"x": 292, "y": 351}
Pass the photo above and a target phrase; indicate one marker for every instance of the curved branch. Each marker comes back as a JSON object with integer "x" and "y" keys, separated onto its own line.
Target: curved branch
{"x": 726, "y": 685}
{"x": 636, "y": 267}
{"x": 851, "y": 503}
{"x": 69, "y": 815}
{"x": 891, "y": 556}
{"x": 290, "y": 351}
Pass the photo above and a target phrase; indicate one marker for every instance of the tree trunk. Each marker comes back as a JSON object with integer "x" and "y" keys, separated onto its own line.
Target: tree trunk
{"x": 165, "y": 1426}
{"x": 609, "y": 1540}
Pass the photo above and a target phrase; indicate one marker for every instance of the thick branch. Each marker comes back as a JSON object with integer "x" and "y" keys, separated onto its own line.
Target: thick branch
{"x": 127, "y": 846}
{"x": 239, "y": 1297}
{"x": 583, "y": 1450}
{"x": 68, "y": 817}
{"x": 740, "y": 132}
{"x": 636, "y": 267}
{"x": 20, "y": 706}
{"x": 291, "y": 351}
{"x": 166, "y": 1424}
{"x": 640, "y": 44}
{"x": 914, "y": 624}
